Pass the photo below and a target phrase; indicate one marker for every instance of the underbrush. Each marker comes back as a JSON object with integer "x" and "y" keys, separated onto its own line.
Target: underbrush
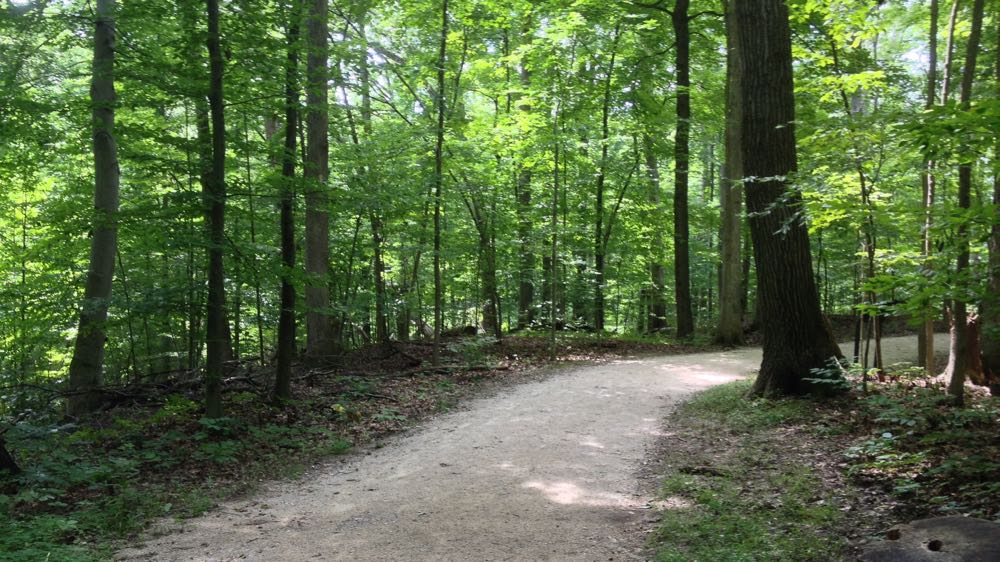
{"x": 772, "y": 479}
{"x": 84, "y": 486}
{"x": 734, "y": 492}
{"x": 87, "y": 485}
{"x": 933, "y": 457}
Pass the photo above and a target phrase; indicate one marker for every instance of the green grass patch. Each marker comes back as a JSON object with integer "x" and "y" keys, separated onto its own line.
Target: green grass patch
{"x": 727, "y": 405}
{"x": 733, "y": 494}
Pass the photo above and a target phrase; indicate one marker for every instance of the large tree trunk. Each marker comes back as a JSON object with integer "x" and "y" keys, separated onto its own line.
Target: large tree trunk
{"x": 319, "y": 332}
{"x": 286, "y": 318}
{"x": 730, "y": 329}
{"x": 439, "y": 181}
{"x": 956, "y": 386}
{"x": 925, "y": 339}
{"x": 796, "y": 336}
{"x": 655, "y": 320}
{"x": 991, "y": 305}
{"x": 88, "y": 353}
{"x": 216, "y": 337}
{"x": 682, "y": 259}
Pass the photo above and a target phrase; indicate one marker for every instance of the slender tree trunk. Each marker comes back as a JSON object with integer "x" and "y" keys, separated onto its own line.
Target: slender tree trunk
{"x": 956, "y": 386}
{"x": 286, "y": 318}
{"x": 730, "y": 329}
{"x": 526, "y": 269}
{"x": 439, "y": 180}
{"x": 375, "y": 214}
{"x": 949, "y": 53}
{"x": 88, "y": 353}
{"x": 491, "y": 306}
{"x": 655, "y": 320}
{"x": 926, "y": 335}
{"x": 554, "y": 226}
{"x": 203, "y": 125}
{"x": 600, "y": 246}
{"x": 216, "y": 309}
{"x": 682, "y": 265}
{"x": 319, "y": 329}
{"x": 255, "y": 270}
{"x": 991, "y": 305}
{"x": 796, "y": 336}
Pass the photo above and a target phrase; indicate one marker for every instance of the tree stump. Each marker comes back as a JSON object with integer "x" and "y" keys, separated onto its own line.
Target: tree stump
{"x": 940, "y": 539}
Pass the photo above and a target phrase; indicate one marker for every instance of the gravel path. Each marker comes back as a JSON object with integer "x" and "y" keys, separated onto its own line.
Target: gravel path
{"x": 544, "y": 471}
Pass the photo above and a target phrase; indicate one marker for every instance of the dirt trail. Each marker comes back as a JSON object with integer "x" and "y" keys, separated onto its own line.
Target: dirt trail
{"x": 545, "y": 471}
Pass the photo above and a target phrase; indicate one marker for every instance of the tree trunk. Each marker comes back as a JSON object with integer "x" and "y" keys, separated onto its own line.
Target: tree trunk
{"x": 319, "y": 329}
{"x": 286, "y": 318}
{"x": 730, "y": 329}
{"x": 553, "y": 258}
{"x": 655, "y": 319}
{"x": 216, "y": 337}
{"x": 375, "y": 215}
{"x": 991, "y": 305}
{"x": 600, "y": 246}
{"x": 526, "y": 269}
{"x": 956, "y": 386}
{"x": 439, "y": 180}
{"x": 682, "y": 259}
{"x": 949, "y": 52}
{"x": 88, "y": 352}
{"x": 796, "y": 336}
{"x": 7, "y": 462}
{"x": 925, "y": 344}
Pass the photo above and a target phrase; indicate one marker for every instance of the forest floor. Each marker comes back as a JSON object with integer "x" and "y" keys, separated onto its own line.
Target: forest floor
{"x": 499, "y": 454}
{"x": 567, "y": 467}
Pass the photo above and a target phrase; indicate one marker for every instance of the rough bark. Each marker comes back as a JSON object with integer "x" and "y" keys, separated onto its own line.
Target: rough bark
{"x": 286, "y": 318}
{"x": 956, "y": 385}
{"x": 319, "y": 330}
{"x": 796, "y": 337}
{"x": 88, "y": 352}
{"x": 216, "y": 338}
{"x": 730, "y": 328}
{"x": 682, "y": 265}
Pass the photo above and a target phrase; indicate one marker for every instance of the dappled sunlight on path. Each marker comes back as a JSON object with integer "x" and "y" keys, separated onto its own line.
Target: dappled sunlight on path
{"x": 544, "y": 471}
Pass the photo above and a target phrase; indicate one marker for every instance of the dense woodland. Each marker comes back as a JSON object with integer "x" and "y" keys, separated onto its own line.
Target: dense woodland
{"x": 204, "y": 187}
{"x": 386, "y": 171}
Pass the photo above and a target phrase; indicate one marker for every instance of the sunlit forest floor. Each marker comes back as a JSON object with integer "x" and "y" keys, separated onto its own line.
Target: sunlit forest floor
{"x": 798, "y": 479}
{"x": 793, "y": 478}
{"x": 87, "y": 485}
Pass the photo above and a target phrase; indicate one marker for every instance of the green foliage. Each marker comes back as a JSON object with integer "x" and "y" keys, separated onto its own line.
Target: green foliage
{"x": 472, "y": 351}
{"x": 928, "y": 450}
{"x": 750, "y": 504}
{"x": 728, "y": 404}
{"x": 781, "y": 522}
